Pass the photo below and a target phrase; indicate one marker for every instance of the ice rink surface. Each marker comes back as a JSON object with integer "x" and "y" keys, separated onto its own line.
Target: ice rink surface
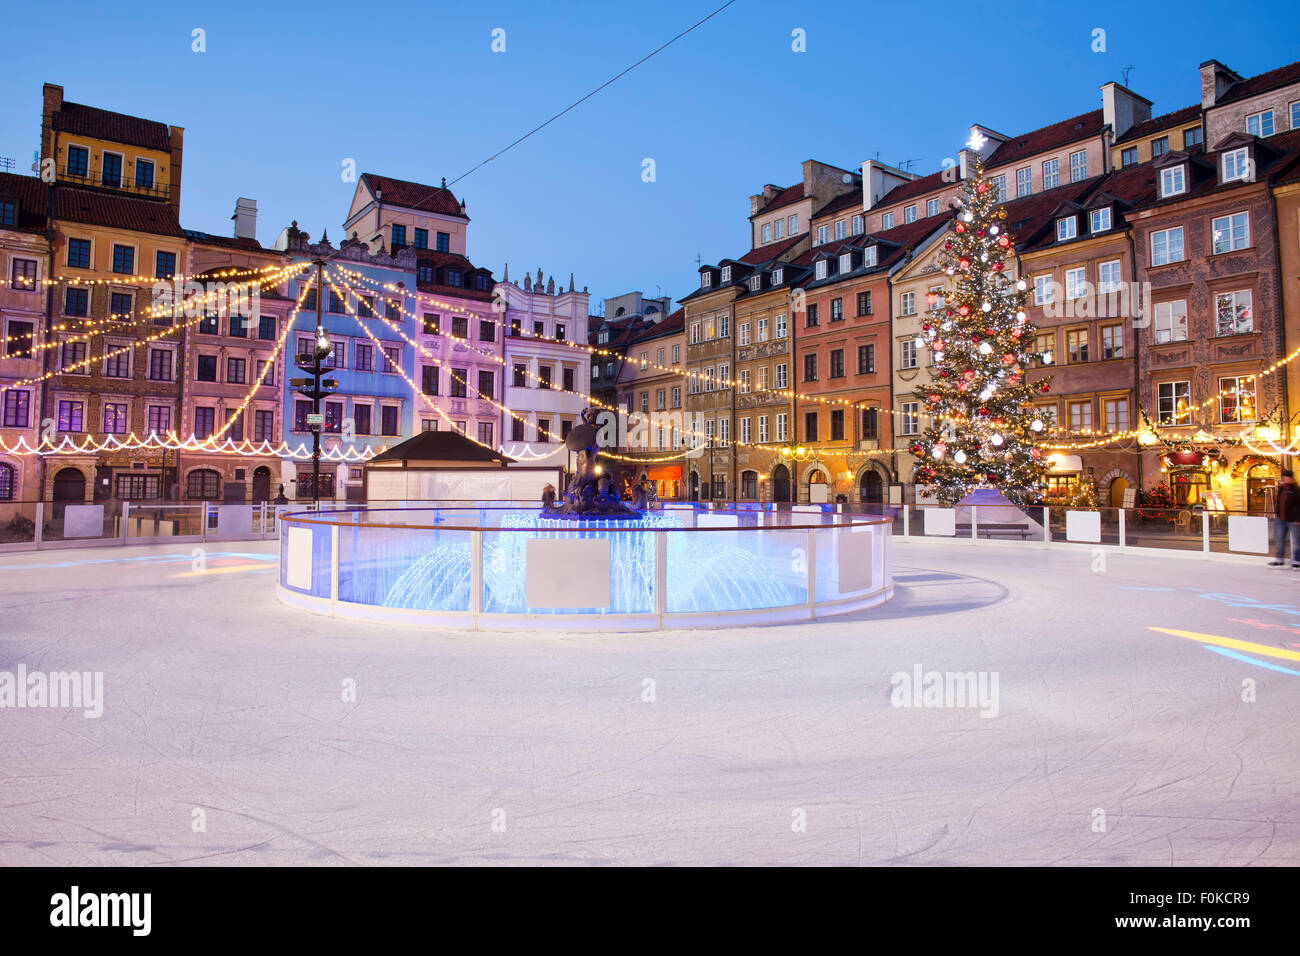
{"x": 226, "y": 737}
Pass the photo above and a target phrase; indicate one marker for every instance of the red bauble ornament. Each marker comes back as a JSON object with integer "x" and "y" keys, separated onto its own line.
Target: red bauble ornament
{"x": 979, "y": 233}
{"x": 948, "y": 244}
{"x": 943, "y": 373}
{"x": 934, "y": 397}
{"x": 1013, "y": 379}
{"x": 1003, "y": 241}
{"x": 962, "y": 310}
{"x": 984, "y": 412}
{"x": 960, "y": 227}
{"x": 1035, "y": 453}
{"x": 1008, "y": 358}
{"x": 1015, "y": 333}
{"x": 997, "y": 267}
{"x": 964, "y": 262}
{"x": 993, "y": 478}
{"x": 968, "y": 374}
{"x": 961, "y": 386}
{"x": 982, "y": 188}
{"x": 1045, "y": 387}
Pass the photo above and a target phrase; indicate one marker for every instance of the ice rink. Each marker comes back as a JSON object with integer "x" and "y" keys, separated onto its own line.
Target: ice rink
{"x": 227, "y": 736}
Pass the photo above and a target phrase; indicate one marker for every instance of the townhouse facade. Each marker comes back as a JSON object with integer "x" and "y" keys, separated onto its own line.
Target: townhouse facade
{"x": 652, "y": 390}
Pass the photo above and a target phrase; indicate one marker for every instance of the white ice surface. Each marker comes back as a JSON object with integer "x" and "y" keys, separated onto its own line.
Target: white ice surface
{"x": 220, "y": 698}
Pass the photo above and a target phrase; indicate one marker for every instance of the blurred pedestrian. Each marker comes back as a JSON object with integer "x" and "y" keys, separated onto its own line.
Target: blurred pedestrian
{"x": 1287, "y": 522}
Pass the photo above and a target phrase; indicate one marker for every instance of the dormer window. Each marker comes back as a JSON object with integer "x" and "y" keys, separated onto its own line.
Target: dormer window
{"x": 869, "y": 256}
{"x": 1173, "y": 181}
{"x": 846, "y": 262}
{"x": 755, "y": 282}
{"x": 706, "y": 280}
{"x": 1067, "y": 227}
{"x": 778, "y": 276}
{"x": 726, "y": 273}
{"x": 822, "y": 269}
{"x": 1236, "y": 165}
{"x": 1100, "y": 220}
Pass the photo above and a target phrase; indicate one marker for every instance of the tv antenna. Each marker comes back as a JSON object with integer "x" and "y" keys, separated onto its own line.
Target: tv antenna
{"x": 1125, "y": 72}
{"x": 907, "y": 164}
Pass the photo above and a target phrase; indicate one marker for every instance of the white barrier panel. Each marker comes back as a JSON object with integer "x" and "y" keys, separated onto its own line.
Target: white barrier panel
{"x": 717, "y": 521}
{"x": 1248, "y": 533}
{"x": 298, "y": 572}
{"x": 940, "y": 521}
{"x": 83, "y": 521}
{"x": 1083, "y": 526}
{"x": 855, "y": 561}
{"x": 235, "y": 519}
{"x": 568, "y": 573}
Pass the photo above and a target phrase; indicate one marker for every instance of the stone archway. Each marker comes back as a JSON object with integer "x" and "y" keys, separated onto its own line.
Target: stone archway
{"x": 817, "y": 472}
{"x": 68, "y": 488}
{"x": 1111, "y": 487}
{"x": 781, "y": 483}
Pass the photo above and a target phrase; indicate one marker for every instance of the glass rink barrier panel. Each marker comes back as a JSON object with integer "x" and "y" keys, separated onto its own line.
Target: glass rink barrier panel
{"x": 505, "y": 568}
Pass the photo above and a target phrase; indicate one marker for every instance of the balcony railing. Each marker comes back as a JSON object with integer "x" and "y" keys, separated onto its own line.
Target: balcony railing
{"x": 123, "y": 183}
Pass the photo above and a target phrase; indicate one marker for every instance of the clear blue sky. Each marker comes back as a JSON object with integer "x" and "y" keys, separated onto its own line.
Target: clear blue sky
{"x": 287, "y": 91}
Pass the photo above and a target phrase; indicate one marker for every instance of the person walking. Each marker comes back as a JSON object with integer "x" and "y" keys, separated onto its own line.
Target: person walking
{"x": 1287, "y": 523}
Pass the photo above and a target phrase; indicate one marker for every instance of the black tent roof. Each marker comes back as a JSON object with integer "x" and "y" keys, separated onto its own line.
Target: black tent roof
{"x": 441, "y": 446}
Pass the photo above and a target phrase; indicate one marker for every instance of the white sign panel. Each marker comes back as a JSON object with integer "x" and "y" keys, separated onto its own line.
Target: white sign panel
{"x": 1248, "y": 533}
{"x": 818, "y": 492}
{"x": 707, "y": 520}
{"x": 83, "y": 521}
{"x": 855, "y": 561}
{"x": 569, "y": 573}
{"x": 941, "y": 522}
{"x": 1083, "y": 526}
{"x": 235, "y": 519}
{"x": 298, "y": 559}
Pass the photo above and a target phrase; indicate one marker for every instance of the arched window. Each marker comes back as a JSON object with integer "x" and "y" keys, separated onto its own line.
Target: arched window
{"x": 203, "y": 483}
{"x": 749, "y": 484}
{"x": 8, "y": 482}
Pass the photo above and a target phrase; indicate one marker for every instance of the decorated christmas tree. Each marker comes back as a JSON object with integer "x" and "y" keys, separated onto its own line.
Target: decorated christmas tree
{"x": 983, "y": 430}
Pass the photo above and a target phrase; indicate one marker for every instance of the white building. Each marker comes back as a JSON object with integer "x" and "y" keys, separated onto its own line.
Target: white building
{"x": 547, "y": 366}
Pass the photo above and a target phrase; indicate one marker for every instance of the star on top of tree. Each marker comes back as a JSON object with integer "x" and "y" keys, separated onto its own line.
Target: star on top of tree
{"x": 977, "y": 140}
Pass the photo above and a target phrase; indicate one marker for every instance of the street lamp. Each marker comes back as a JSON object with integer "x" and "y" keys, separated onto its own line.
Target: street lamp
{"x": 795, "y": 453}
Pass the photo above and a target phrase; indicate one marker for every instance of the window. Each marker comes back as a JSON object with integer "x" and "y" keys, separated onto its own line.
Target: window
{"x": 458, "y": 383}
{"x": 1024, "y": 183}
{"x": 1173, "y": 181}
{"x": 1171, "y": 321}
{"x": 837, "y": 310}
{"x": 857, "y": 224}
{"x": 866, "y": 359}
{"x": 266, "y": 327}
{"x": 444, "y": 242}
{"x": 78, "y": 161}
{"x": 1192, "y": 137}
{"x": 1044, "y": 290}
{"x": 70, "y": 416}
{"x": 79, "y": 253}
{"x": 870, "y": 423}
{"x": 1044, "y": 344}
{"x": 123, "y": 259}
{"x": 710, "y": 378}
{"x": 1080, "y": 416}
{"x": 837, "y": 363}
{"x": 22, "y": 275}
{"x": 907, "y": 354}
{"x": 778, "y": 276}
{"x": 1159, "y": 147}
{"x": 677, "y": 396}
{"x": 1047, "y": 413}
{"x": 1100, "y": 220}
{"x": 424, "y": 274}
{"x": 265, "y": 372}
{"x": 1050, "y": 177}
{"x": 160, "y": 364}
{"x": 115, "y": 418}
{"x": 1237, "y": 399}
{"x": 811, "y": 317}
{"x": 782, "y": 378}
{"x": 1067, "y": 227}
{"x": 202, "y": 482}
{"x": 74, "y": 358}
{"x": 782, "y": 427}
{"x": 365, "y": 307}
{"x": 363, "y": 357}
{"x": 762, "y": 377}
{"x": 999, "y": 184}
{"x": 1233, "y": 312}
{"x": 909, "y": 213}
{"x": 208, "y": 326}
{"x": 335, "y": 303}
{"x": 487, "y": 331}
{"x": 17, "y": 408}
{"x": 1129, "y": 156}
{"x": 399, "y": 236}
{"x": 1172, "y": 401}
{"x": 486, "y": 384}
{"x": 392, "y": 360}
{"x": 388, "y": 420}
{"x": 779, "y": 230}
{"x": 421, "y": 238}
{"x": 544, "y": 429}
{"x": 724, "y": 375}
{"x": 1231, "y": 232}
{"x": 864, "y": 303}
{"x": 1076, "y": 345}
{"x": 837, "y": 424}
{"x": 931, "y": 209}
{"x": 363, "y": 419}
{"x": 235, "y": 429}
{"x": 301, "y": 409}
{"x": 559, "y": 331}
{"x": 117, "y": 361}
{"x": 869, "y": 257}
{"x": 539, "y": 330}
{"x": 742, "y": 339}
{"x": 1260, "y": 124}
{"x": 1112, "y": 341}
{"x": 823, "y": 237}
{"x": 810, "y": 426}
{"x": 1076, "y": 283}
{"x": 909, "y": 418}
{"x": 754, "y": 282}
{"x": 1108, "y": 276}
{"x": 1079, "y": 165}
{"x": 762, "y": 330}
{"x": 767, "y": 232}
{"x": 793, "y": 225}
{"x": 264, "y": 425}
{"x": 1116, "y": 412}
{"x": 841, "y": 229}
{"x": 1167, "y": 246}
{"x": 810, "y": 368}
{"x": 1295, "y": 115}
{"x": 18, "y": 339}
{"x": 780, "y": 325}
{"x": 706, "y": 279}
{"x": 887, "y": 221}
{"x": 239, "y": 326}
{"x": 543, "y": 376}
{"x": 485, "y": 433}
{"x": 567, "y": 378}
{"x": 165, "y": 265}
{"x": 206, "y": 422}
{"x": 726, "y": 273}
{"x": 907, "y": 303}
{"x": 111, "y": 168}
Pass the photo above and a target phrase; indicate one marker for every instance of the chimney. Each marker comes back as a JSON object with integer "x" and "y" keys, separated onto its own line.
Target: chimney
{"x": 1122, "y": 109}
{"x": 245, "y": 219}
{"x": 51, "y": 103}
{"x": 1215, "y": 80}
{"x": 177, "y": 151}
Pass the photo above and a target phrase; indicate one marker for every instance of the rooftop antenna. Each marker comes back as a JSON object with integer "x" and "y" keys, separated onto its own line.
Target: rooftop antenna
{"x": 1125, "y": 72}
{"x": 699, "y": 263}
{"x": 907, "y": 164}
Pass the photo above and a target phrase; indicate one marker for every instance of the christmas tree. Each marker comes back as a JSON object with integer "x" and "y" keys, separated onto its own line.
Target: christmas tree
{"x": 983, "y": 429}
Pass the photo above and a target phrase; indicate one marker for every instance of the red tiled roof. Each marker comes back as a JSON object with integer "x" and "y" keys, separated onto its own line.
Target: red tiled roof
{"x": 1251, "y": 85}
{"x": 1027, "y": 216}
{"x": 1275, "y": 156}
{"x": 91, "y": 207}
{"x": 399, "y": 192}
{"x": 916, "y": 187}
{"x": 227, "y": 242}
{"x": 1160, "y": 123}
{"x": 770, "y": 251}
{"x": 853, "y": 198}
{"x": 673, "y": 324}
{"x": 905, "y": 236}
{"x": 1041, "y": 140}
{"x": 31, "y": 195}
{"x": 783, "y": 198}
{"x": 119, "y": 127}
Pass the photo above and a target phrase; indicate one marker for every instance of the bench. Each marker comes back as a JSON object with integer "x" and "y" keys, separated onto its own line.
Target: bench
{"x": 997, "y": 530}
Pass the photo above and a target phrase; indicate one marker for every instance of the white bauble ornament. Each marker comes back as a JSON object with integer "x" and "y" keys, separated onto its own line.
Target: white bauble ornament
{"x": 985, "y": 348}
